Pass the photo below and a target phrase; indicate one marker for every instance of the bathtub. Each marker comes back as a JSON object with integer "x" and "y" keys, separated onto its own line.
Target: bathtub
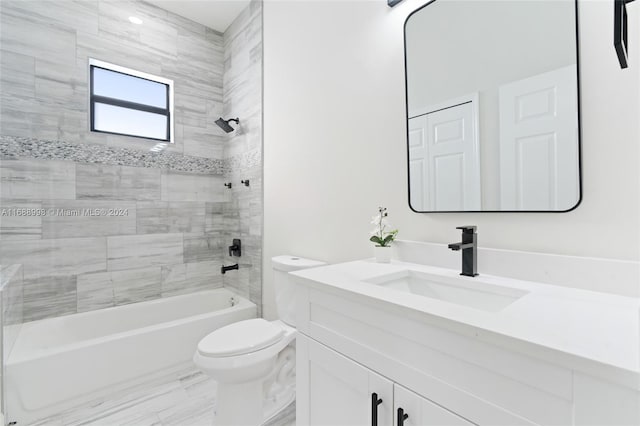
{"x": 61, "y": 362}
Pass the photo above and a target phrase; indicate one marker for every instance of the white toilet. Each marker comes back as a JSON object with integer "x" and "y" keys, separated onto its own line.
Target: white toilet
{"x": 253, "y": 361}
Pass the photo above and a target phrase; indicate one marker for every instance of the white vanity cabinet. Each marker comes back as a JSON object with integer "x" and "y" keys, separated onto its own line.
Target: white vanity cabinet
{"x": 422, "y": 412}
{"x": 439, "y": 372}
{"x": 335, "y": 390}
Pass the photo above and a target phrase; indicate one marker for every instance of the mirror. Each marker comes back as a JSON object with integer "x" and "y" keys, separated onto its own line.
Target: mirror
{"x": 492, "y": 106}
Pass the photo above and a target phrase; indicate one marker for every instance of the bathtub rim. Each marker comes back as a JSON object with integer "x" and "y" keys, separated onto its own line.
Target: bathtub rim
{"x": 14, "y": 358}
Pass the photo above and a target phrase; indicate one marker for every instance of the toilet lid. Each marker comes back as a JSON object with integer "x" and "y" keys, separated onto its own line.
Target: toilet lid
{"x": 241, "y": 338}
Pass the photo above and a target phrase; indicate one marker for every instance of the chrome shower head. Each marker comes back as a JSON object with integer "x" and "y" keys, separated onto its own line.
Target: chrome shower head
{"x": 224, "y": 124}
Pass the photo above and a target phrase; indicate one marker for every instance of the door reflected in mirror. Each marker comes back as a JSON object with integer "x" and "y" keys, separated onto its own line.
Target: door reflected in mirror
{"x": 492, "y": 106}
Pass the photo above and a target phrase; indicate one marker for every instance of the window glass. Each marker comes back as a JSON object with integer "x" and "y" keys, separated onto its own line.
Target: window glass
{"x": 114, "y": 119}
{"x": 129, "y": 88}
{"x": 131, "y": 103}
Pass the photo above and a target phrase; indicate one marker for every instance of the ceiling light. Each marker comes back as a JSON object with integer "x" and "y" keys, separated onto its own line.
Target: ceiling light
{"x": 135, "y": 20}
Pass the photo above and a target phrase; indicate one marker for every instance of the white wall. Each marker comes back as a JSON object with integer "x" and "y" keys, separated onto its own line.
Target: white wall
{"x": 334, "y": 141}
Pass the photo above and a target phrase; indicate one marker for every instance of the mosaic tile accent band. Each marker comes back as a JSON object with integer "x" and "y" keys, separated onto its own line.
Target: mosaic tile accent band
{"x": 242, "y": 162}
{"x": 12, "y": 148}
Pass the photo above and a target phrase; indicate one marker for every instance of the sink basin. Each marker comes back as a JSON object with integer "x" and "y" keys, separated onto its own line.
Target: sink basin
{"x": 470, "y": 292}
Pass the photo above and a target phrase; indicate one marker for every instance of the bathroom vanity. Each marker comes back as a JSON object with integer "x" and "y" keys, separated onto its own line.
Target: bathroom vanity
{"x": 412, "y": 344}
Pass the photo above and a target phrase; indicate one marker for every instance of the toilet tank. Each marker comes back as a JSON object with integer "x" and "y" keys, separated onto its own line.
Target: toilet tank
{"x": 284, "y": 287}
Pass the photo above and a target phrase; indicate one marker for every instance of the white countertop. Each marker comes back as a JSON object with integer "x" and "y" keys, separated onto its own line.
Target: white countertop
{"x": 583, "y": 330}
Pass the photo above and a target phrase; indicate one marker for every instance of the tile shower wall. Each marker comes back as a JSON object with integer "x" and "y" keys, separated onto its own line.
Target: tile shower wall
{"x": 45, "y": 51}
{"x": 242, "y": 215}
{"x": 11, "y": 319}
{"x": 164, "y": 236}
{"x": 107, "y": 235}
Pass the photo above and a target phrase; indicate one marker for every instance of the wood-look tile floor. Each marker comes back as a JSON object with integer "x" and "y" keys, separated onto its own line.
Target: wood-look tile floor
{"x": 184, "y": 398}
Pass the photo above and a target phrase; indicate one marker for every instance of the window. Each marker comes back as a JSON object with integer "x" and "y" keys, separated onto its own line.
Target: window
{"x": 128, "y": 102}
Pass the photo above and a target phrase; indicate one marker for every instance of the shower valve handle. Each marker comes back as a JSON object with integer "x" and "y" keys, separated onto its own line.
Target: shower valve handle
{"x": 236, "y": 248}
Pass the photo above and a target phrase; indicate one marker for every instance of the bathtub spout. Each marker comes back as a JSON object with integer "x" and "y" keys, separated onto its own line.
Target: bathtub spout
{"x": 224, "y": 269}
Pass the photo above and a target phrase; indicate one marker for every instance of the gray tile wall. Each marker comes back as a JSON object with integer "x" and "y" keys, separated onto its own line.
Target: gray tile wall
{"x": 11, "y": 281}
{"x": 11, "y": 319}
{"x": 116, "y": 241}
{"x": 170, "y": 235}
{"x": 45, "y": 50}
{"x": 242, "y": 215}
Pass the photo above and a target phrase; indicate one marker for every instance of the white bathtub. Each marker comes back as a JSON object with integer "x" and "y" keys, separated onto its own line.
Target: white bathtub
{"x": 60, "y": 362}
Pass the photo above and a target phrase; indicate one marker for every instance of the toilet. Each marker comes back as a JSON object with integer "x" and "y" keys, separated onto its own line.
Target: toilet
{"x": 253, "y": 361}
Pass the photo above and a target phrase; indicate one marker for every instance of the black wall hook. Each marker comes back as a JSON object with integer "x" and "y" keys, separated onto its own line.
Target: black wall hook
{"x": 620, "y": 31}
{"x": 228, "y": 185}
{"x": 245, "y": 182}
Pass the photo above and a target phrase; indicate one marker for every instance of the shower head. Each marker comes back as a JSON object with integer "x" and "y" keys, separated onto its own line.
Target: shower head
{"x": 224, "y": 124}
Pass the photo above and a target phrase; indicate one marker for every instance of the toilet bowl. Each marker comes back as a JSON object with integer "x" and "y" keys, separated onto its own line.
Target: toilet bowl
{"x": 253, "y": 361}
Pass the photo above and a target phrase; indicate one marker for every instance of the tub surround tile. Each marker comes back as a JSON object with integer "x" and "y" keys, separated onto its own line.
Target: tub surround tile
{"x": 21, "y": 34}
{"x": 15, "y": 147}
{"x": 190, "y": 277}
{"x": 136, "y": 285}
{"x": 213, "y": 219}
{"x": 135, "y": 251}
{"x": 30, "y": 149}
{"x": 120, "y": 52}
{"x": 80, "y": 13}
{"x": 205, "y": 275}
{"x": 202, "y": 248}
{"x": 157, "y": 217}
{"x": 242, "y": 215}
{"x": 165, "y": 45}
{"x": 11, "y": 294}
{"x": 47, "y": 161}
{"x": 88, "y": 218}
{"x": 187, "y": 187}
{"x": 46, "y": 297}
{"x": 11, "y": 284}
{"x": 173, "y": 279}
{"x": 60, "y": 257}
{"x": 17, "y": 74}
{"x": 23, "y": 227}
{"x": 107, "y": 289}
{"x": 117, "y": 183}
{"x": 34, "y": 179}
{"x": 199, "y": 141}
{"x": 64, "y": 85}
{"x": 95, "y": 291}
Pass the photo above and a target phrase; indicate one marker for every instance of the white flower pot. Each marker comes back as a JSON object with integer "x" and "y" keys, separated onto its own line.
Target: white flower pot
{"x": 382, "y": 254}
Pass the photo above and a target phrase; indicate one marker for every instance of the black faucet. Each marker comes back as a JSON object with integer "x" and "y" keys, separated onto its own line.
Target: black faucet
{"x": 469, "y": 247}
{"x": 224, "y": 269}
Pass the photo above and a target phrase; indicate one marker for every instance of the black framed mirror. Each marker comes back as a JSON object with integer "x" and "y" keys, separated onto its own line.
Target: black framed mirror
{"x": 493, "y": 110}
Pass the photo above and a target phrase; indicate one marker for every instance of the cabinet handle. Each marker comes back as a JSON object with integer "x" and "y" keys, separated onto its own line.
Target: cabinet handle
{"x": 375, "y": 401}
{"x": 401, "y": 417}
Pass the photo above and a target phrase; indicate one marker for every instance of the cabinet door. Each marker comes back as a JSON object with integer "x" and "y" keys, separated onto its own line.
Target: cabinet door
{"x": 333, "y": 390}
{"x": 420, "y": 411}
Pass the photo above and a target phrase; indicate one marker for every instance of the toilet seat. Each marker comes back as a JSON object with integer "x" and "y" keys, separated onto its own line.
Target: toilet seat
{"x": 241, "y": 338}
{"x": 247, "y": 366}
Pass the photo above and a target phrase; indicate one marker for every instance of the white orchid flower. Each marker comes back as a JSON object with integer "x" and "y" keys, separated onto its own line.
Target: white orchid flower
{"x": 382, "y": 234}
